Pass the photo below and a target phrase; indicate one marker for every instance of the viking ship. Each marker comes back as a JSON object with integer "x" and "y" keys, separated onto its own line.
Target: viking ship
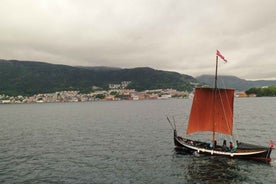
{"x": 212, "y": 111}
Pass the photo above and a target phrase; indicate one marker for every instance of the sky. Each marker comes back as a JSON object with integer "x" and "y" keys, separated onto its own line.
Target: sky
{"x": 173, "y": 35}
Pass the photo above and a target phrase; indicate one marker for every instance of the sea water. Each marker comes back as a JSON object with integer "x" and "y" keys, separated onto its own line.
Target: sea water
{"x": 123, "y": 142}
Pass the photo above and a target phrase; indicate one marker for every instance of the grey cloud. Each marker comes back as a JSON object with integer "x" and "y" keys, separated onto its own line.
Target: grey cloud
{"x": 171, "y": 35}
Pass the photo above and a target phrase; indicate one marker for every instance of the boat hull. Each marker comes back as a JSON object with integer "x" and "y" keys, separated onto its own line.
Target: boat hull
{"x": 244, "y": 151}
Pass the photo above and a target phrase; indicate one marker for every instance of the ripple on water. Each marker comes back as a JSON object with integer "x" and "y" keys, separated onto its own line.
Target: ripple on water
{"x": 120, "y": 142}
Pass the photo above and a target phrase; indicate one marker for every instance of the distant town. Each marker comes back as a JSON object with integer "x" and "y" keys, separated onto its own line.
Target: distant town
{"x": 110, "y": 95}
{"x": 116, "y": 92}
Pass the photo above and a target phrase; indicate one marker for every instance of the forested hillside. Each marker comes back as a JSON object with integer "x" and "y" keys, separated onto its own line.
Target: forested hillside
{"x": 28, "y": 78}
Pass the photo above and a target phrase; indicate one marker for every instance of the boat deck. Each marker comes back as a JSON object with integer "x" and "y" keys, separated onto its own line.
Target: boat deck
{"x": 241, "y": 148}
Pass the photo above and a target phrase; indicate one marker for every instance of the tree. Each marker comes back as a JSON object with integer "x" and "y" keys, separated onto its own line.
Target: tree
{"x": 264, "y": 91}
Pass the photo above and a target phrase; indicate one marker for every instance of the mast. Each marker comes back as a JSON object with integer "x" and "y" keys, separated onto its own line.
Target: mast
{"x": 216, "y": 78}
{"x": 216, "y": 75}
{"x": 213, "y": 109}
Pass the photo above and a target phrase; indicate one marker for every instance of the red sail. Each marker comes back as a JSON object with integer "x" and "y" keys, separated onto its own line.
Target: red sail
{"x": 212, "y": 110}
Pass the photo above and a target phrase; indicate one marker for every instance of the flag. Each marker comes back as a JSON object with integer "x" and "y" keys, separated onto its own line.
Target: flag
{"x": 271, "y": 144}
{"x": 221, "y": 56}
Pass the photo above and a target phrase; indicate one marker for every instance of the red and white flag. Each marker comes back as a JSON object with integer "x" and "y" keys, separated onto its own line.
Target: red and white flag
{"x": 271, "y": 144}
{"x": 221, "y": 56}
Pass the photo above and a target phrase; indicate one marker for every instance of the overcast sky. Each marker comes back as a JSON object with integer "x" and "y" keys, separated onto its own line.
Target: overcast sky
{"x": 175, "y": 35}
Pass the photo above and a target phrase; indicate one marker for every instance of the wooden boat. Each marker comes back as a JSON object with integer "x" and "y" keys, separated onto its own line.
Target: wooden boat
{"x": 212, "y": 111}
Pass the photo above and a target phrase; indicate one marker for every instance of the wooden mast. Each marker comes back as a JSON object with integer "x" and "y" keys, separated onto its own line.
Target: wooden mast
{"x": 215, "y": 95}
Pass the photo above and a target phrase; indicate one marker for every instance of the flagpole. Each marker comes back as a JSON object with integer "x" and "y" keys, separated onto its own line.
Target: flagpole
{"x": 216, "y": 75}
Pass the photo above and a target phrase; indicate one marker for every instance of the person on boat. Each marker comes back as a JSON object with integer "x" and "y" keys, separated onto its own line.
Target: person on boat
{"x": 235, "y": 147}
{"x": 237, "y": 143}
{"x": 210, "y": 144}
{"x": 231, "y": 146}
{"x": 224, "y": 146}
{"x": 215, "y": 144}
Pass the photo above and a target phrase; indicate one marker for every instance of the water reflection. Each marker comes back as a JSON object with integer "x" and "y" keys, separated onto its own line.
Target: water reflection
{"x": 208, "y": 169}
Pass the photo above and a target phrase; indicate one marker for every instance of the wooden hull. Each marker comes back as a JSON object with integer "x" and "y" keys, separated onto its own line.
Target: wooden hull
{"x": 244, "y": 151}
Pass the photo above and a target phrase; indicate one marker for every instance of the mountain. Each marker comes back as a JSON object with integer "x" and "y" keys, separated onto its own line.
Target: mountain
{"x": 99, "y": 68}
{"x": 28, "y": 78}
{"x": 235, "y": 82}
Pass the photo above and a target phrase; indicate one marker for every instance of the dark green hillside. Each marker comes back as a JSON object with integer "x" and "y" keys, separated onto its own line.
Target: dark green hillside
{"x": 28, "y": 78}
{"x": 265, "y": 91}
{"x": 148, "y": 78}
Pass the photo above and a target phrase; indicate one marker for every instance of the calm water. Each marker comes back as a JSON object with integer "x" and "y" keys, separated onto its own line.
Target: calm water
{"x": 123, "y": 142}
